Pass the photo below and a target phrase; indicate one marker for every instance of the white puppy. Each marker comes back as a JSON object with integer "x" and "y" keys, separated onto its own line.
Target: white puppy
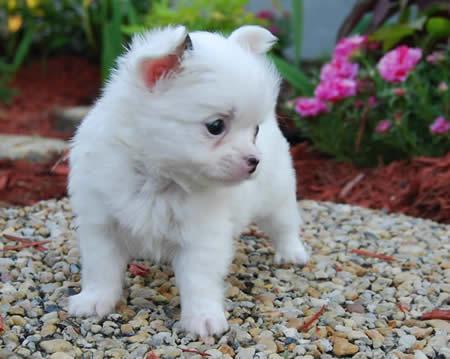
{"x": 178, "y": 156}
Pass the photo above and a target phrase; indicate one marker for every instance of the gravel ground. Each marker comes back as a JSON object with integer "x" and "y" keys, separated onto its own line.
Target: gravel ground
{"x": 367, "y": 307}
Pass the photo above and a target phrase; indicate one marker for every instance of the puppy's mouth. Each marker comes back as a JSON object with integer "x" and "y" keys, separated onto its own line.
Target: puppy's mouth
{"x": 239, "y": 177}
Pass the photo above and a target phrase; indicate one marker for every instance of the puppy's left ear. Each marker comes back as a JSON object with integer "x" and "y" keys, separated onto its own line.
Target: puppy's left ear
{"x": 155, "y": 68}
{"x": 256, "y": 38}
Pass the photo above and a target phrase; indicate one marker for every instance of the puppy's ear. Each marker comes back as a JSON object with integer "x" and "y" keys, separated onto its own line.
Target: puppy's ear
{"x": 154, "y": 68}
{"x": 256, "y": 38}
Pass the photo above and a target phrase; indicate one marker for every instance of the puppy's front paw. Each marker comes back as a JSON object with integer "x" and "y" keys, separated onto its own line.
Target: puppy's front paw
{"x": 92, "y": 303}
{"x": 295, "y": 253}
{"x": 205, "y": 323}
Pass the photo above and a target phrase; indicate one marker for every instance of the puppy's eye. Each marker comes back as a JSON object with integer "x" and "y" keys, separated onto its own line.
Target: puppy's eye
{"x": 216, "y": 127}
{"x": 256, "y": 131}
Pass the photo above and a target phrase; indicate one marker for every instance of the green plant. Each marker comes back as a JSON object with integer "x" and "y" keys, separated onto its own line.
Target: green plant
{"x": 292, "y": 74}
{"x": 423, "y": 23}
{"x": 220, "y": 15}
{"x": 56, "y": 26}
{"x": 10, "y": 63}
{"x": 37, "y": 27}
{"x": 225, "y": 16}
{"x": 7, "y": 71}
{"x": 90, "y": 27}
{"x": 102, "y": 23}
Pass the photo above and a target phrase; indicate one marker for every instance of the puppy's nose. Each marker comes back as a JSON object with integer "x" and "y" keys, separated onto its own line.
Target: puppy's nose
{"x": 252, "y": 163}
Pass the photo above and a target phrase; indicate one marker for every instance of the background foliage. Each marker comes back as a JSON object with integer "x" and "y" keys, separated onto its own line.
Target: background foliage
{"x": 385, "y": 120}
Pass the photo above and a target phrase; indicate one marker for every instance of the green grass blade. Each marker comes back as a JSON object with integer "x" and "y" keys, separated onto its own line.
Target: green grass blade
{"x": 23, "y": 49}
{"x": 297, "y": 28}
{"x": 132, "y": 16}
{"x": 87, "y": 26}
{"x": 111, "y": 37}
{"x": 116, "y": 31}
{"x": 363, "y": 25}
{"x": 133, "y": 29}
{"x": 107, "y": 51}
{"x": 293, "y": 75}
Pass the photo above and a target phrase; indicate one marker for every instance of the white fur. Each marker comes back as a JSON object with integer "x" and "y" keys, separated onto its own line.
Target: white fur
{"x": 148, "y": 181}
{"x": 254, "y": 38}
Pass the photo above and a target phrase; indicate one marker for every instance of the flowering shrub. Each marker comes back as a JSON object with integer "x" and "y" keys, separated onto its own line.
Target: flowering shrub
{"x": 370, "y": 107}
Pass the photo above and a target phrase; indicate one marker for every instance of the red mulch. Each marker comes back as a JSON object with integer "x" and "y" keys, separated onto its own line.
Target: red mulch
{"x": 60, "y": 81}
{"x": 419, "y": 188}
{"x": 25, "y": 183}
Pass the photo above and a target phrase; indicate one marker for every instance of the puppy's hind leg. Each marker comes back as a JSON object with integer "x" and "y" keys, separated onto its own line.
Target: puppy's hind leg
{"x": 103, "y": 265}
{"x": 283, "y": 228}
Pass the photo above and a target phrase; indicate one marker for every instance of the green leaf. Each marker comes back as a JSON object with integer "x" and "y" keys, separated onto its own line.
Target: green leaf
{"x": 297, "y": 28}
{"x": 131, "y": 14}
{"x": 404, "y": 12}
{"x": 111, "y": 38}
{"x": 435, "y": 8}
{"x": 6, "y": 68}
{"x": 57, "y": 42}
{"x": 438, "y": 27}
{"x": 115, "y": 30}
{"x": 293, "y": 75}
{"x": 133, "y": 29}
{"x": 87, "y": 26}
{"x": 107, "y": 51}
{"x": 362, "y": 26}
{"x": 392, "y": 35}
{"x": 23, "y": 49}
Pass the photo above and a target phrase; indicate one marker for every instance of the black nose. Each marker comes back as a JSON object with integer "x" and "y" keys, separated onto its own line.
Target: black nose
{"x": 252, "y": 163}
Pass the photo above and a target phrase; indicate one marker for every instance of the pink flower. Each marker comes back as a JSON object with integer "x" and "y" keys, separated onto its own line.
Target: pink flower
{"x": 339, "y": 67}
{"x": 440, "y": 126}
{"x": 274, "y": 29}
{"x": 372, "y": 101}
{"x": 436, "y": 57}
{"x": 265, "y": 15}
{"x": 349, "y": 45}
{"x": 443, "y": 87}
{"x": 398, "y": 117}
{"x": 309, "y": 107}
{"x": 335, "y": 89}
{"x": 383, "y": 126}
{"x": 399, "y": 91}
{"x": 396, "y": 65}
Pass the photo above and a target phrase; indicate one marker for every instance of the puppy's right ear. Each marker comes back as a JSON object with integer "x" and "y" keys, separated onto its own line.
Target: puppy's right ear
{"x": 168, "y": 60}
{"x": 255, "y": 38}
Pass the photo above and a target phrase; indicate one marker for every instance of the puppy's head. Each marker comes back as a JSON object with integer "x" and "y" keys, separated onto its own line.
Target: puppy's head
{"x": 195, "y": 102}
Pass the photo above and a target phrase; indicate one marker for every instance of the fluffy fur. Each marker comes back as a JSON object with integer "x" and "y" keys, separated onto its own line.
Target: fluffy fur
{"x": 148, "y": 180}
